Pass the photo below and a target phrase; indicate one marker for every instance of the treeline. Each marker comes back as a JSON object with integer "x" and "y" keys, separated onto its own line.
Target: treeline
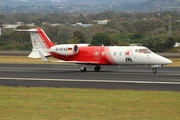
{"x": 159, "y": 33}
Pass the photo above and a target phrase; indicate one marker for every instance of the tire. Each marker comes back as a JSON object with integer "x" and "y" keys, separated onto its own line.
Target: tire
{"x": 97, "y": 69}
{"x": 154, "y": 70}
{"x": 83, "y": 69}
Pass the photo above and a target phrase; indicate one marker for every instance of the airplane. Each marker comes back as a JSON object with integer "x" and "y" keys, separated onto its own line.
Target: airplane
{"x": 85, "y": 54}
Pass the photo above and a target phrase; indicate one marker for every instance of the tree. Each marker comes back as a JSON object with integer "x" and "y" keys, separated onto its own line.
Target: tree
{"x": 169, "y": 43}
{"x": 110, "y": 31}
{"x": 74, "y": 40}
{"x": 64, "y": 34}
{"x": 82, "y": 19}
{"x": 59, "y": 34}
{"x": 146, "y": 25}
{"x": 100, "y": 39}
{"x": 156, "y": 45}
{"x": 80, "y": 36}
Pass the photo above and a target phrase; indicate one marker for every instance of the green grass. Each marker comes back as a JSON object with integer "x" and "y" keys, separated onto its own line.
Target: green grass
{"x": 87, "y": 104}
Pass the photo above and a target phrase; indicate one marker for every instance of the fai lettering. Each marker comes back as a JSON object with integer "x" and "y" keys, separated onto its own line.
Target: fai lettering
{"x": 128, "y": 60}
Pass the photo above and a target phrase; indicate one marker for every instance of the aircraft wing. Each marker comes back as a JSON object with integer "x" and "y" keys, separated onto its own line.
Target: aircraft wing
{"x": 80, "y": 62}
{"x": 44, "y": 59}
{"x": 75, "y": 62}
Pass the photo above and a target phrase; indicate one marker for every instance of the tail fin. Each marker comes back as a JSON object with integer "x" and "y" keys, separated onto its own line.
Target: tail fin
{"x": 40, "y": 42}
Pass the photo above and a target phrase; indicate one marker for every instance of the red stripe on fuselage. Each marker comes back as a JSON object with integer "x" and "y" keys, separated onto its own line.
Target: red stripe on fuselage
{"x": 87, "y": 54}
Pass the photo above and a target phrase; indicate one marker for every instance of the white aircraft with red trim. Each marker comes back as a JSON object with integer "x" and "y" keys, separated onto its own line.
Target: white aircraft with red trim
{"x": 85, "y": 54}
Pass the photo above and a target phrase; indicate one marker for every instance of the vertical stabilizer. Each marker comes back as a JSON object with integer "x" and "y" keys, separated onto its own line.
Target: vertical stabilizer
{"x": 40, "y": 43}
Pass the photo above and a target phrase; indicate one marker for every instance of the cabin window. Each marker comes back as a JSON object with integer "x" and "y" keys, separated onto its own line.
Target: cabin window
{"x": 120, "y": 53}
{"x": 109, "y": 53}
{"x": 145, "y": 51}
{"x": 114, "y": 53}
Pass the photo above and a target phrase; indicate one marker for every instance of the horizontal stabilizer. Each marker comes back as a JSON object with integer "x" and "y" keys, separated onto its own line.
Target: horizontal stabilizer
{"x": 23, "y": 30}
{"x": 35, "y": 54}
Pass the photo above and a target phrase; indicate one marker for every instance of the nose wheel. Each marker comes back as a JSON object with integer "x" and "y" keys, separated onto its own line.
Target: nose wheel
{"x": 154, "y": 70}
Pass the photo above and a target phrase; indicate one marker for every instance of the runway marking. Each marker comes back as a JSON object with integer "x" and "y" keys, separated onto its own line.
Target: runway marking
{"x": 98, "y": 81}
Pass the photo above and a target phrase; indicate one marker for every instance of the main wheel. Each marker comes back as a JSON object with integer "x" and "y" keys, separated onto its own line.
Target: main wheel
{"x": 97, "y": 68}
{"x": 154, "y": 70}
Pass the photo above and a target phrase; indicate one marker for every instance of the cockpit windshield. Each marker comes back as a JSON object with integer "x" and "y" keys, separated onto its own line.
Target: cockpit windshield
{"x": 145, "y": 51}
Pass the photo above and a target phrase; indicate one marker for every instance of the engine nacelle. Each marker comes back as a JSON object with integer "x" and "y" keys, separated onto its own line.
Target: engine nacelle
{"x": 65, "y": 49}
{"x": 83, "y": 45}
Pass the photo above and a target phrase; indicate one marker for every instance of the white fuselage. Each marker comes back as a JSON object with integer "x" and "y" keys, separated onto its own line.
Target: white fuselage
{"x": 137, "y": 55}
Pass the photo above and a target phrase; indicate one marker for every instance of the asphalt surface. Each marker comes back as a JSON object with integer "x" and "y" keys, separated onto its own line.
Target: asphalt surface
{"x": 110, "y": 77}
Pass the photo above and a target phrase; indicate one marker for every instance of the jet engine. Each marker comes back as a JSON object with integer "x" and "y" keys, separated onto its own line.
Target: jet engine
{"x": 65, "y": 49}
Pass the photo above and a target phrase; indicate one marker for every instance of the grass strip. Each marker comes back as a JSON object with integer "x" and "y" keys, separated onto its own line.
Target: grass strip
{"x": 88, "y": 104}
{"x": 22, "y": 60}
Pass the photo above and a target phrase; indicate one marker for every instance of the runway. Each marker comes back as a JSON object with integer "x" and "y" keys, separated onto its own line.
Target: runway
{"x": 110, "y": 77}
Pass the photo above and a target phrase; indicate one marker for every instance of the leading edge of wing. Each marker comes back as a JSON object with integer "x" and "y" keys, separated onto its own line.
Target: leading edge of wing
{"x": 44, "y": 59}
{"x": 78, "y": 62}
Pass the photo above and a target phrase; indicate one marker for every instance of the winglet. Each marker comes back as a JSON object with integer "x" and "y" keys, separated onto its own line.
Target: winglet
{"x": 43, "y": 58}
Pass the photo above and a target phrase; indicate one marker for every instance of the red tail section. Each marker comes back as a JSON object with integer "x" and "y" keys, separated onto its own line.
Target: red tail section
{"x": 45, "y": 38}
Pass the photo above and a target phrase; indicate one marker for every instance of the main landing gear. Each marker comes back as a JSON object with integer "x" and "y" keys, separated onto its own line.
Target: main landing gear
{"x": 83, "y": 68}
{"x": 96, "y": 68}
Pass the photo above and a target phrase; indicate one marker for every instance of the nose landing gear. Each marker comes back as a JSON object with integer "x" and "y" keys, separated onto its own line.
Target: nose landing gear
{"x": 154, "y": 70}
